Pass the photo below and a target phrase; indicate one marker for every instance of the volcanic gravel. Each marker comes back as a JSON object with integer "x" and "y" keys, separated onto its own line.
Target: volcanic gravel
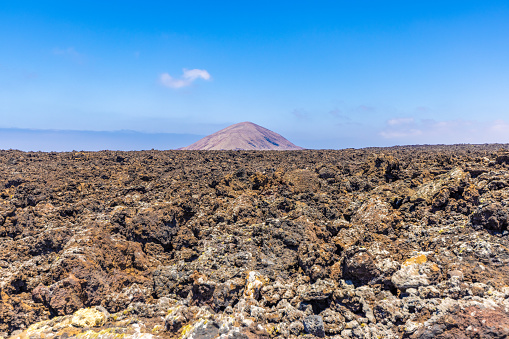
{"x": 401, "y": 242}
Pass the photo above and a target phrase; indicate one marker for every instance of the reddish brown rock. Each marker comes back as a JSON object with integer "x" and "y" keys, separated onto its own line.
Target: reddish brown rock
{"x": 393, "y": 242}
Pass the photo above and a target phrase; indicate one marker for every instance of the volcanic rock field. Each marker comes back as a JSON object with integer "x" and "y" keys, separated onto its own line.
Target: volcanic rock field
{"x": 402, "y": 242}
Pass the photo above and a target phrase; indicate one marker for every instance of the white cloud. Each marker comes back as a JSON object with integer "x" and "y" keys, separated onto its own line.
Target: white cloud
{"x": 392, "y": 134}
{"x": 400, "y": 121}
{"x": 410, "y": 130}
{"x": 409, "y": 127}
{"x": 402, "y": 128}
{"x": 187, "y": 78}
{"x": 499, "y": 126}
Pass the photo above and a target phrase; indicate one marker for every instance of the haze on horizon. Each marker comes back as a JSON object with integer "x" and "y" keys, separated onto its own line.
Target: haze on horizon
{"x": 327, "y": 74}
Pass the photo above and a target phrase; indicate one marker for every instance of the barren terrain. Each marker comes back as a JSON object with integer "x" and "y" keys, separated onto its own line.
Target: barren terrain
{"x": 403, "y": 242}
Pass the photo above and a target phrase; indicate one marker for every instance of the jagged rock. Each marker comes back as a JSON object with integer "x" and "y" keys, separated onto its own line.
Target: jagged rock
{"x": 255, "y": 282}
{"x": 502, "y": 158}
{"x": 313, "y": 324}
{"x": 170, "y": 281}
{"x": 177, "y": 317}
{"x": 227, "y": 293}
{"x": 302, "y": 181}
{"x": 333, "y": 321}
{"x": 392, "y": 243}
{"x": 320, "y": 290}
{"x": 203, "y": 329}
{"x": 360, "y": 267}
{"x": 444, "y": 183}
{"x": 88, "y": 317}
{"x": 493, "y": 217}
{"x": 62, "y": 298}
{"x": 470, "y": 322}
{"x": 414, "y": 273}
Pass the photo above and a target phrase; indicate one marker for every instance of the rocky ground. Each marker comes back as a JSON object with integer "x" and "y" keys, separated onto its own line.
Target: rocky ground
{"x": 404, "y": 242}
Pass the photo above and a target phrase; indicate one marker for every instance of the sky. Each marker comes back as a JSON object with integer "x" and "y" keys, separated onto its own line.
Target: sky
{"x": 324, "y": 74}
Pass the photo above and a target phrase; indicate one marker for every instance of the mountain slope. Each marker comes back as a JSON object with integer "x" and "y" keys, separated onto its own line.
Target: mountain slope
{"x": 243, "y": 136}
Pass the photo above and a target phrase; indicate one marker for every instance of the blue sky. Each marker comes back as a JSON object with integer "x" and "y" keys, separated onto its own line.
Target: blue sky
{"x": 324, "y": 74}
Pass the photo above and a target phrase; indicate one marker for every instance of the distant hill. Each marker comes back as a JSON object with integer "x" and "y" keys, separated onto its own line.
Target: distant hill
{"x": 243, "y": 136}
{"x": 69, "y": 140}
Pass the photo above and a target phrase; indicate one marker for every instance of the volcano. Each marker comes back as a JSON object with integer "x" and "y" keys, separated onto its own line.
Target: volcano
{"x": 243, "y": 136}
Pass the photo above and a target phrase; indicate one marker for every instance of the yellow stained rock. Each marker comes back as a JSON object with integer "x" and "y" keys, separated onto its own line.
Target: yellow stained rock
{"x": 420, "y": 259}
{"x": 88, "y": 317}
{"x": 254, "y": 284}
{"x": 434, "y": 267}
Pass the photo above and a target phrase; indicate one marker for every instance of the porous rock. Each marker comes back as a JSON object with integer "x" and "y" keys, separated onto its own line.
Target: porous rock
{"x": 403, "y": 242}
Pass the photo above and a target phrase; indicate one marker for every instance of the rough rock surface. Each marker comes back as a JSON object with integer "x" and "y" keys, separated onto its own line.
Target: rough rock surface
{"x": 404, "y": 242}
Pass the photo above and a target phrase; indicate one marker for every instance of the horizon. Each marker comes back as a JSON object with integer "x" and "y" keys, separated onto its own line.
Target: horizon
{"x": 331, "y": 75}
{"x": 72, "y": 140}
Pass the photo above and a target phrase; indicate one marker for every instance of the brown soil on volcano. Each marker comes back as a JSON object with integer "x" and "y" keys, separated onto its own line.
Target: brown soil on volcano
{"x": 404, "y": 242}
{"x": 243, "y": 136}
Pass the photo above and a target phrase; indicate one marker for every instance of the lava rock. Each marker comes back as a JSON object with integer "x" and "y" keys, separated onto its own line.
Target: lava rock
{"x": 313, "y": 324}
{"x": 494, "y": 217}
